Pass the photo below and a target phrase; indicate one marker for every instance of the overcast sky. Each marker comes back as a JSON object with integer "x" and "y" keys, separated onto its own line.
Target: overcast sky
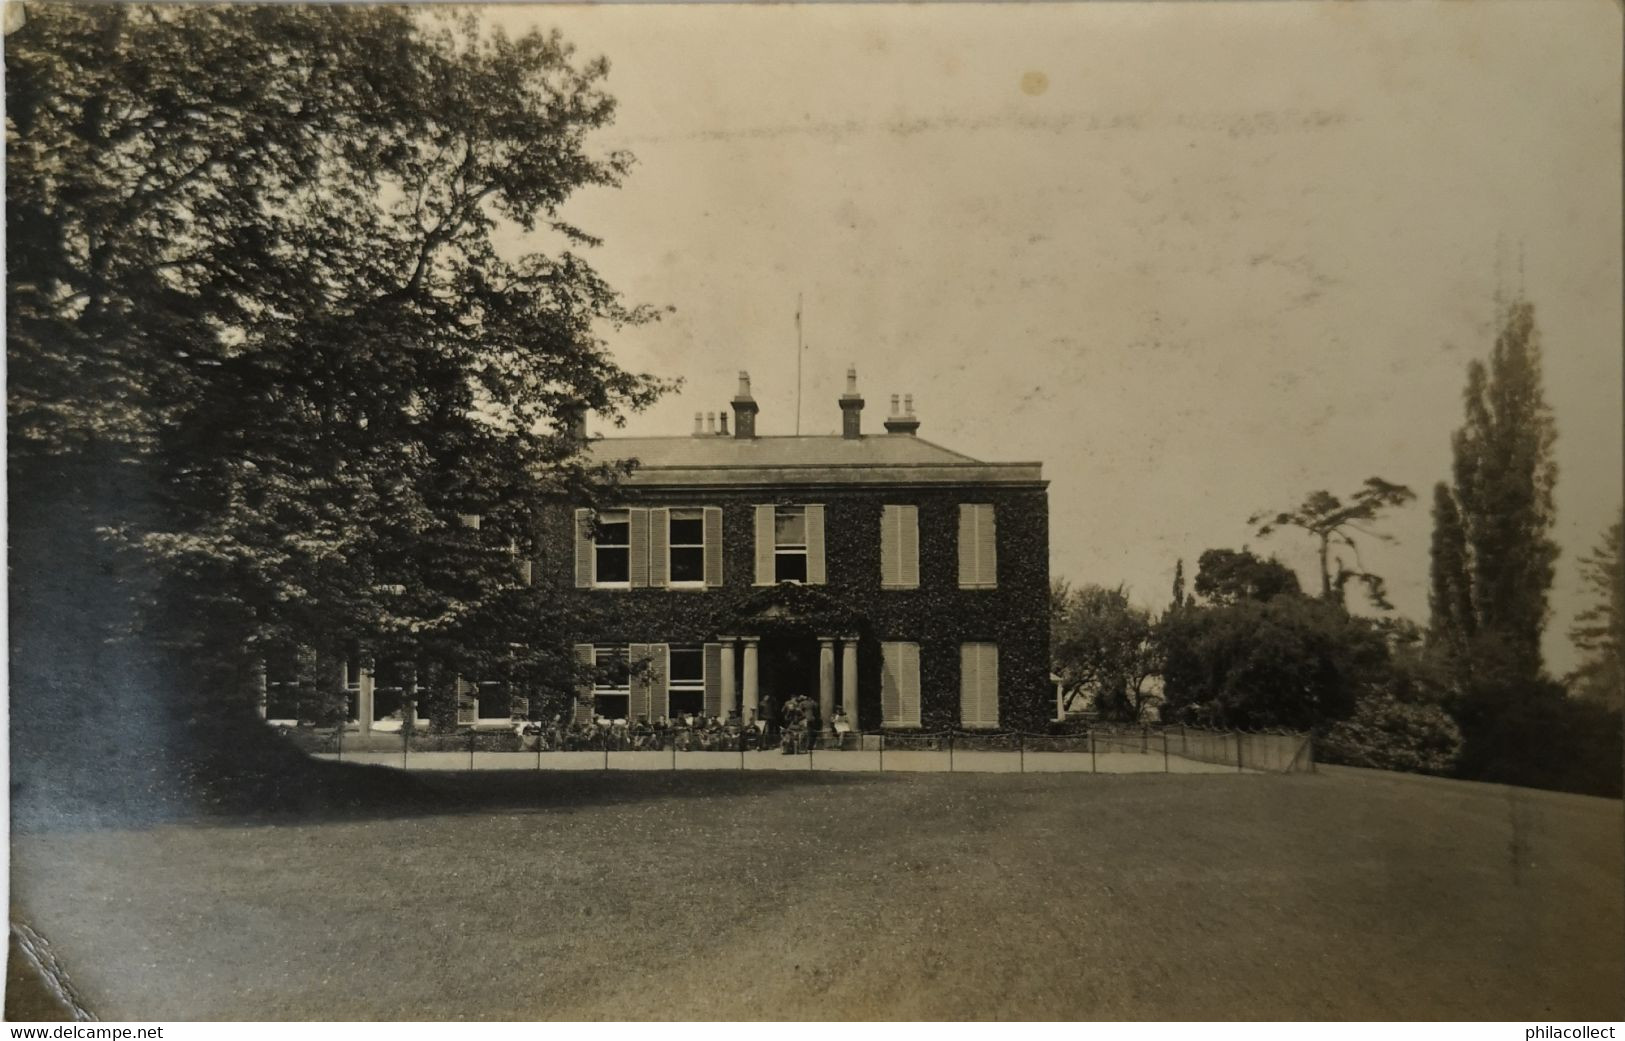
{"x": 1199, "y": 260}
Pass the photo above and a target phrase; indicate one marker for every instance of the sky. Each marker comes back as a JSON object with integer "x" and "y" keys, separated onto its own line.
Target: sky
{"x": 1198, "y": 260}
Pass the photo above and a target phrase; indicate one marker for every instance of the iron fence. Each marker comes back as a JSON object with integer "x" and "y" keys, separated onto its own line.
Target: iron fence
{"x": 1096, "y": 749}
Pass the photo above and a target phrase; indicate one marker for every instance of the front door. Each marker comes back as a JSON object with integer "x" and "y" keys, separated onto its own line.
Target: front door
{"x": 789, "y": 669}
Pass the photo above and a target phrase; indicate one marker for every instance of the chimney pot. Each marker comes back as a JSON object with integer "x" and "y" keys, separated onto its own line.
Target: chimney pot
{"x": 710, "y": 422}
{"x": 722, "y": 424}
{"x": 699, "y": 424}
{"x": 894, "y": 404}
{"x": 903, "y": 423}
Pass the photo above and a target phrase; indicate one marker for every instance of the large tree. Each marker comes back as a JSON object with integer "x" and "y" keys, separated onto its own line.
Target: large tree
{"x": 266, "y": 339}
{"x": 1493, "y": 556}
{"x": 1104, "y": 649}
{"x": 1332, "y": 521}
{"x": 1228, "y": 576}
{"x": 1598, "y": 632}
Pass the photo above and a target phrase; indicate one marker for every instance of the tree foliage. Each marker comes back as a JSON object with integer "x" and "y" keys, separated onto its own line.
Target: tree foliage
{"x": 1491, "y": 581}
{"x": 1332, "y": 521}
{"x": 1228, "y": 576}
{"x": 1289, "y": 661}
{"x": 1599, "y": 631}
{"x": 260, "y": 255}
{"x": 1104, "y": 649}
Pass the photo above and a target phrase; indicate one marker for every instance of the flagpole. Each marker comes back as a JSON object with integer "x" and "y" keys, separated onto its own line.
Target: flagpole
{"x": 798, "y": 364}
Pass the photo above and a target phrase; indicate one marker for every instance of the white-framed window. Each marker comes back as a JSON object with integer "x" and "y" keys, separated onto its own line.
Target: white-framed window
{"x": 900, "y": 684}
{"x": 790, "y": 544}
{"x": 685, "y": 687}
{"x": 978, "y": 546}
{"x": 612, "y": 550}
{"x": 979, "y": 684}
{"x": 685, "y": 553}
{"x": 900, "y": 547}
{"x": 612, "y": 687}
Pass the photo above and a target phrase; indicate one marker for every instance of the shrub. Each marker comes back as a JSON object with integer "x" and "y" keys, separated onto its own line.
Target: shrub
{"x": 1387, "y": 734}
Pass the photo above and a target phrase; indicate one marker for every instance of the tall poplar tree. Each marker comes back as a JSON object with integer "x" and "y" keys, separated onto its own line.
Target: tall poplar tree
{"x": 1491, "y": 581}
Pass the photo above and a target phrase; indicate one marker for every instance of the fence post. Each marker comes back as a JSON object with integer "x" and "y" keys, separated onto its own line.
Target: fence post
{"x": 1165, "y": 750}
{"x": 1238, "y": 752}
{"x": 1145, "y": 739}
{"x": 340, "y": 733}
{"x": 538, "y": 751}
{"x": 882, "y": 736}
{"x": 471, "y": 748}
{"x": 406, "y": 741}
{"x": 1092, "y": 767}
{"x": 950, "y": 751}
{"x": 1021, "y": 746}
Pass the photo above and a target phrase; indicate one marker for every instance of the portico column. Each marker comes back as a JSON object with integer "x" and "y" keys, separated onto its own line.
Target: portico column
{"x": 750, "y": 675}
{"x": 364, "y": 702}
{"x": 849, "y": 679}
{"x": 826, "y": 679}
{"x": 727, "y": 684}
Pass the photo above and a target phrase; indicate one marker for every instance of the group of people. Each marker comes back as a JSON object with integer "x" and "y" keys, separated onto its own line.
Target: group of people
{"x": 794, "y": 727}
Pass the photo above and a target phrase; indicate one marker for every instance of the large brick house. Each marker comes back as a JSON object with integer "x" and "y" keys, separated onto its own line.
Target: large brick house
{"x": 903, "y": 582}
{"x": 880, "y": 573}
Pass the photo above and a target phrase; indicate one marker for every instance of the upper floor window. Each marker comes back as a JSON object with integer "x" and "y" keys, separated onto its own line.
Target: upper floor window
{"x": 612, "y": 549}
{"x": 900, "y": 547}
{"x": 790, "y": 544}
{"x": 978, "y": 545}
{"x": 639, "y": 547}
{"x": 687, "y": 547}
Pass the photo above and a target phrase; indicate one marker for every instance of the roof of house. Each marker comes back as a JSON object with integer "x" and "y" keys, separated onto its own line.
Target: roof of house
{"x": 806, "y": 459}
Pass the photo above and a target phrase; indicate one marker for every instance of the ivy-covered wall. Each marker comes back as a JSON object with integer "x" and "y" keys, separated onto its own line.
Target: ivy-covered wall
{"x": 939, "y": 616}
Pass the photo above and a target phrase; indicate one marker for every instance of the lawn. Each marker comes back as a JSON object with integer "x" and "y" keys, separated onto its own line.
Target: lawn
{"x": 1344, "y": 894}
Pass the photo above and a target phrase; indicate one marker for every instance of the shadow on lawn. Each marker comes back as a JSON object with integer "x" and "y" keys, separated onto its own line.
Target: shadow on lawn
{"x": 305, "y": 791}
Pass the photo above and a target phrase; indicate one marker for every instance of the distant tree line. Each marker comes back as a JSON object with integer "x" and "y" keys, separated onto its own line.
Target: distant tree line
{"x": 1466, "y": 696}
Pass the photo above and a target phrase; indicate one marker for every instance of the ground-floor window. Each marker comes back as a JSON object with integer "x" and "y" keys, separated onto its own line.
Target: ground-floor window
{"x": 979, "y": 684}
{"x": 612, "y": 690}
{"x": 900, "y": 684}
{"x": 685, "y": 690}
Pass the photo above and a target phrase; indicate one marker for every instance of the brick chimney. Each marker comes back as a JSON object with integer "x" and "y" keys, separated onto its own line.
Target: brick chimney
{"x": 851, "y": 407}
{"x": 744, "y": 409}
{"x": 903, "y": 422}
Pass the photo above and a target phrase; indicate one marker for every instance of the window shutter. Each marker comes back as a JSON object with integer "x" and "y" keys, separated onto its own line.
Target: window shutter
{"x": 584, "y": 657}
{"x": 891, "y": 553}
{"x": 659, "y": 542}
{"x": 967, "y": 545}
{"x": 990, "y": 684}
{"x": 764, "y": 545}
{"x": 713, "y": 679}
{"x": 815, "y": 545}
{"x": 637, "y": 529}
{"x": 890, "y": 688}
{"x": 911, "y": 684}
{"x": 979, "y": 684}
{"x": 583, "y": 530}
{"x": 900, "y": 547}
{"x": 659, "y": 680}
{"x": 987, "y": 549}
{"x": 911, "y": 546}
{"x": 970, "y": 710}
{"x": 638, "y": 704}
{"x": 713, "y": 546}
